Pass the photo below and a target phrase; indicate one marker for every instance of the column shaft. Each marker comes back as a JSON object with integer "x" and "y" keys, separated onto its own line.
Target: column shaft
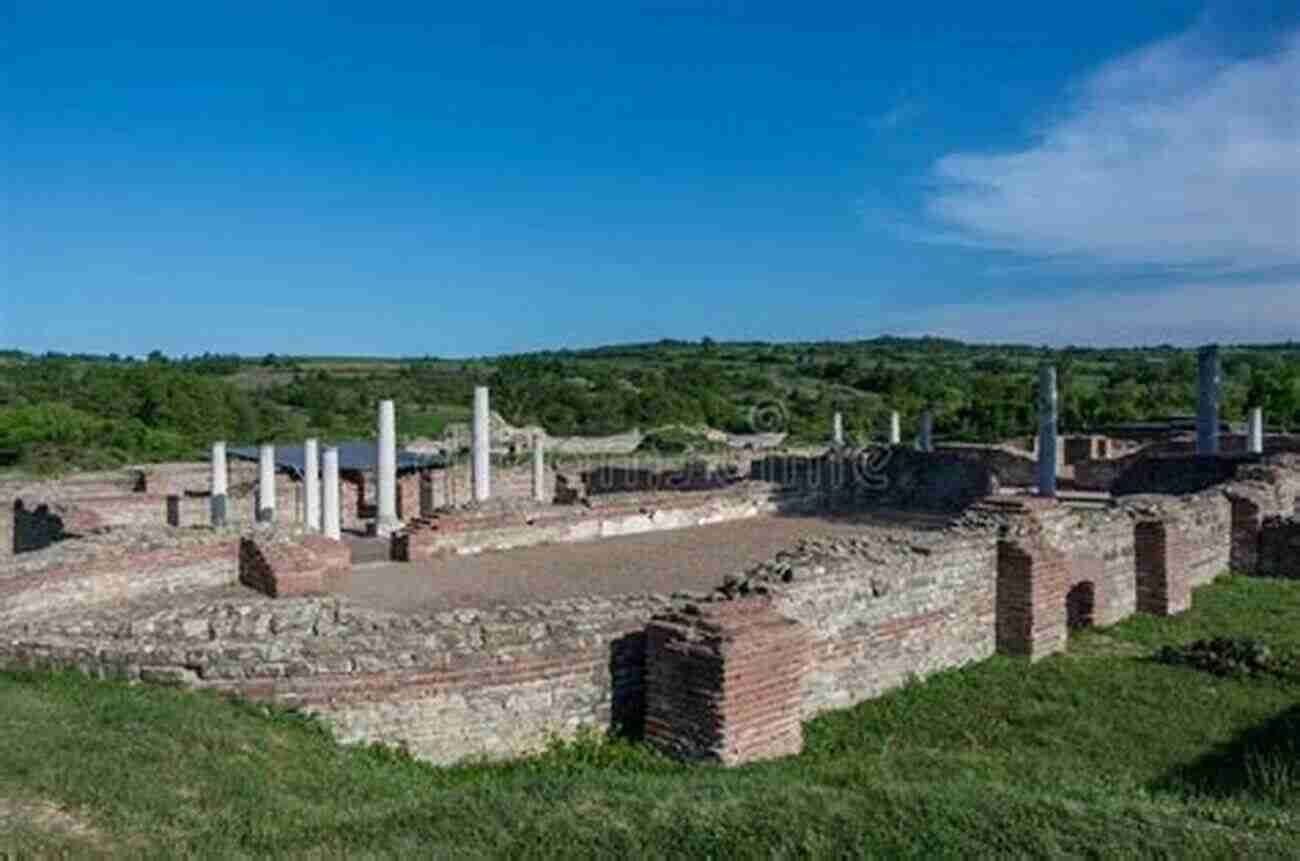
{"x": 330, "y": 493}
{"x": 481, "y": 451}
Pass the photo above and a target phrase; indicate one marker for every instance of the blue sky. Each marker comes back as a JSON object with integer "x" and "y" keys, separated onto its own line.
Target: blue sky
{"x": 466, "y": 179}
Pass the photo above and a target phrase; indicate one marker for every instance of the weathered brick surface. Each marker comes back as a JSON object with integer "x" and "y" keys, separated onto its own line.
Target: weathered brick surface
{"x": 113, "y": 568}
{"x": 1164, "y": 569}
{"x": 723, "y": 682}
{"x": 1033, "y": 579}
{"x": 283, "y": 566}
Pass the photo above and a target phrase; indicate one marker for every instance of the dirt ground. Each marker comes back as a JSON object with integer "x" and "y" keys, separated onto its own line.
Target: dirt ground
{"x": 682, "y": 559}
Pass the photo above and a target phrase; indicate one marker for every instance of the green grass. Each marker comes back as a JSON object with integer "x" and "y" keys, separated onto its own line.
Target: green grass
{"x": 1099, "y": 753}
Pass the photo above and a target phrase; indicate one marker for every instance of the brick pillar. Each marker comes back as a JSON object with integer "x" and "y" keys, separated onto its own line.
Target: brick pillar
{"x": 1033, "y": 580}
{"x": 6, "y": 530}
{"x": 1163, "y": 574}
{"x": 723, "y": 682}
{"x": 1247, "y": 524}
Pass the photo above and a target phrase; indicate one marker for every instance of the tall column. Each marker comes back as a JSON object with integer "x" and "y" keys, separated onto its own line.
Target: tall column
{"x": 220, "y": 485}
{"x": 539, "y": 468}
{"x": 330, "y": 493}
{"x": 481, "y": 445}
{"x": 386, "y": 521}
{"x": 1255, "y": 431}
{"x": 837, "y": 429}
{"x": 1207, "y": 412}
{"x": 266, "y": 483}
{"x": 1047, "y": 422}
{"x": 927, "y": 431}
{"x": 895, "y": 428}
{"x": 311, "y": 483}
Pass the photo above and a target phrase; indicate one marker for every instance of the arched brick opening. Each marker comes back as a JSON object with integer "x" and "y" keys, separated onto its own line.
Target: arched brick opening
{"x": 1081, "y": 605}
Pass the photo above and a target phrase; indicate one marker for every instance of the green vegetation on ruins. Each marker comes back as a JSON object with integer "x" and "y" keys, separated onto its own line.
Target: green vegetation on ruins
{"x": 1102, "y": 752}
{"x": 62, "y": 412}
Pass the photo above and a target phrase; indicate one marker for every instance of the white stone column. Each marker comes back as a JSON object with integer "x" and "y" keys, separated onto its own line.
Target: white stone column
{"x": 266, "y": 483}
{"x": 539, "y": 468}
{"x": 220, "y": 485}
{"x": 1255, "y": 431}
{"x": 481, "y": 445}
{"x": 837, "y": 429}
{"x": 1207, "y": 411}
{"x": 330, "y": 493}
{"x": 386, "y": 522}
{"x": 927, "y": 431}
{"x": 895, "y": 428}
{"x": 311, "y": 483}
{"x": 1047, "y": 422}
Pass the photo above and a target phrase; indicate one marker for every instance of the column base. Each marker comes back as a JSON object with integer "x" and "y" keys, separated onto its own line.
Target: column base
{"x": 386, "y": 527}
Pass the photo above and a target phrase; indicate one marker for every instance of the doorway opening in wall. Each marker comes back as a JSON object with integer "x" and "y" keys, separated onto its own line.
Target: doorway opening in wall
{"x": 1080, "y": 602}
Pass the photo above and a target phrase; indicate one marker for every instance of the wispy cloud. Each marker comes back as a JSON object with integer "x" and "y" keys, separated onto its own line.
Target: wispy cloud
{"x": 1173, "y": 155}
{"x": 1185, "y": 314}
{"x": 899, "y": 116}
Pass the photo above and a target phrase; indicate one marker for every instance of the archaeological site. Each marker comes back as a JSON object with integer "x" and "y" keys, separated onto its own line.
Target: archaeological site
{"x": 475, "y": 608}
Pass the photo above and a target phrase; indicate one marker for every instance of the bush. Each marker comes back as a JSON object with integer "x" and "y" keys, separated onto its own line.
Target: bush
{"x": 1225, "y": 656}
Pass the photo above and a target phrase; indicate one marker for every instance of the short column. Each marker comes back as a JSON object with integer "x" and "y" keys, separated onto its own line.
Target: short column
{"x": 311, "y": 483}
{"x": 895, "y": 428}
{"x": 1255, "y": 431}
{"x": 927, "y": 431}
{"x": 330, "y": 493}
{"x": 220, "y": 485}
{"x": 1047, "y": 423}
{"x": 1207, "y": 411}
{"x": 481, "y": 446}
{"x": 386, "y": 522}
{"x": 539, "y": 468}
{"x": 266, "y": 483}
{"x": 837, "y": 429}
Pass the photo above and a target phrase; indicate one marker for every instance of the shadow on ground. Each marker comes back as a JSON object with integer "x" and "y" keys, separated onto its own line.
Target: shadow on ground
{"x": 1261, "y": 763}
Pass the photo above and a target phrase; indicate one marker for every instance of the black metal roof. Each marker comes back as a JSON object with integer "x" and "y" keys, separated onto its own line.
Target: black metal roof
{"x": 353, "y": 455}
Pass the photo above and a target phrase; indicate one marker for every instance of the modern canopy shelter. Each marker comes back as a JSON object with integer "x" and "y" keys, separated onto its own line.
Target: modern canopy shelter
{"x": 354, "y": 456}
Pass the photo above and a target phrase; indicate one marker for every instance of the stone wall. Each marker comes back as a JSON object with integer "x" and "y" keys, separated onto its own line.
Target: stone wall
{"x": 114, "y": 568}
{"x": 897, "y": 477}
{"x": 1011, "y": 467}
{"x": 504, "y": 527}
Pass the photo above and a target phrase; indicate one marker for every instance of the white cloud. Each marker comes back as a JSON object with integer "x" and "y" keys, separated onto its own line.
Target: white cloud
{"x": 1186, "y": 314}
{"x": 1171, "y": 155}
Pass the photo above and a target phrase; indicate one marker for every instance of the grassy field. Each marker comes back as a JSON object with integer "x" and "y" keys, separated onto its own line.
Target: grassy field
{"x": 1099, "y": 753}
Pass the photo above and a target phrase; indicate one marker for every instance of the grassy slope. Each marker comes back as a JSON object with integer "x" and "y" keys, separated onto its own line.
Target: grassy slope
{"x": 1100, "y": 753}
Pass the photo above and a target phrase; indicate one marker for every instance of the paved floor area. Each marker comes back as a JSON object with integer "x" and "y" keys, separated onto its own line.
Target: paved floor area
{"x": 681, "y": 559}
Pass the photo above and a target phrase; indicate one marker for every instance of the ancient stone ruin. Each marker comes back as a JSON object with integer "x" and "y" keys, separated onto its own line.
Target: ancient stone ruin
{"x": 250, "y": 577}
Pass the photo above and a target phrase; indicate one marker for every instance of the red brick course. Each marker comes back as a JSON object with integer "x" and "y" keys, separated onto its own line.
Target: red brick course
{"x": 723, "y": 682}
